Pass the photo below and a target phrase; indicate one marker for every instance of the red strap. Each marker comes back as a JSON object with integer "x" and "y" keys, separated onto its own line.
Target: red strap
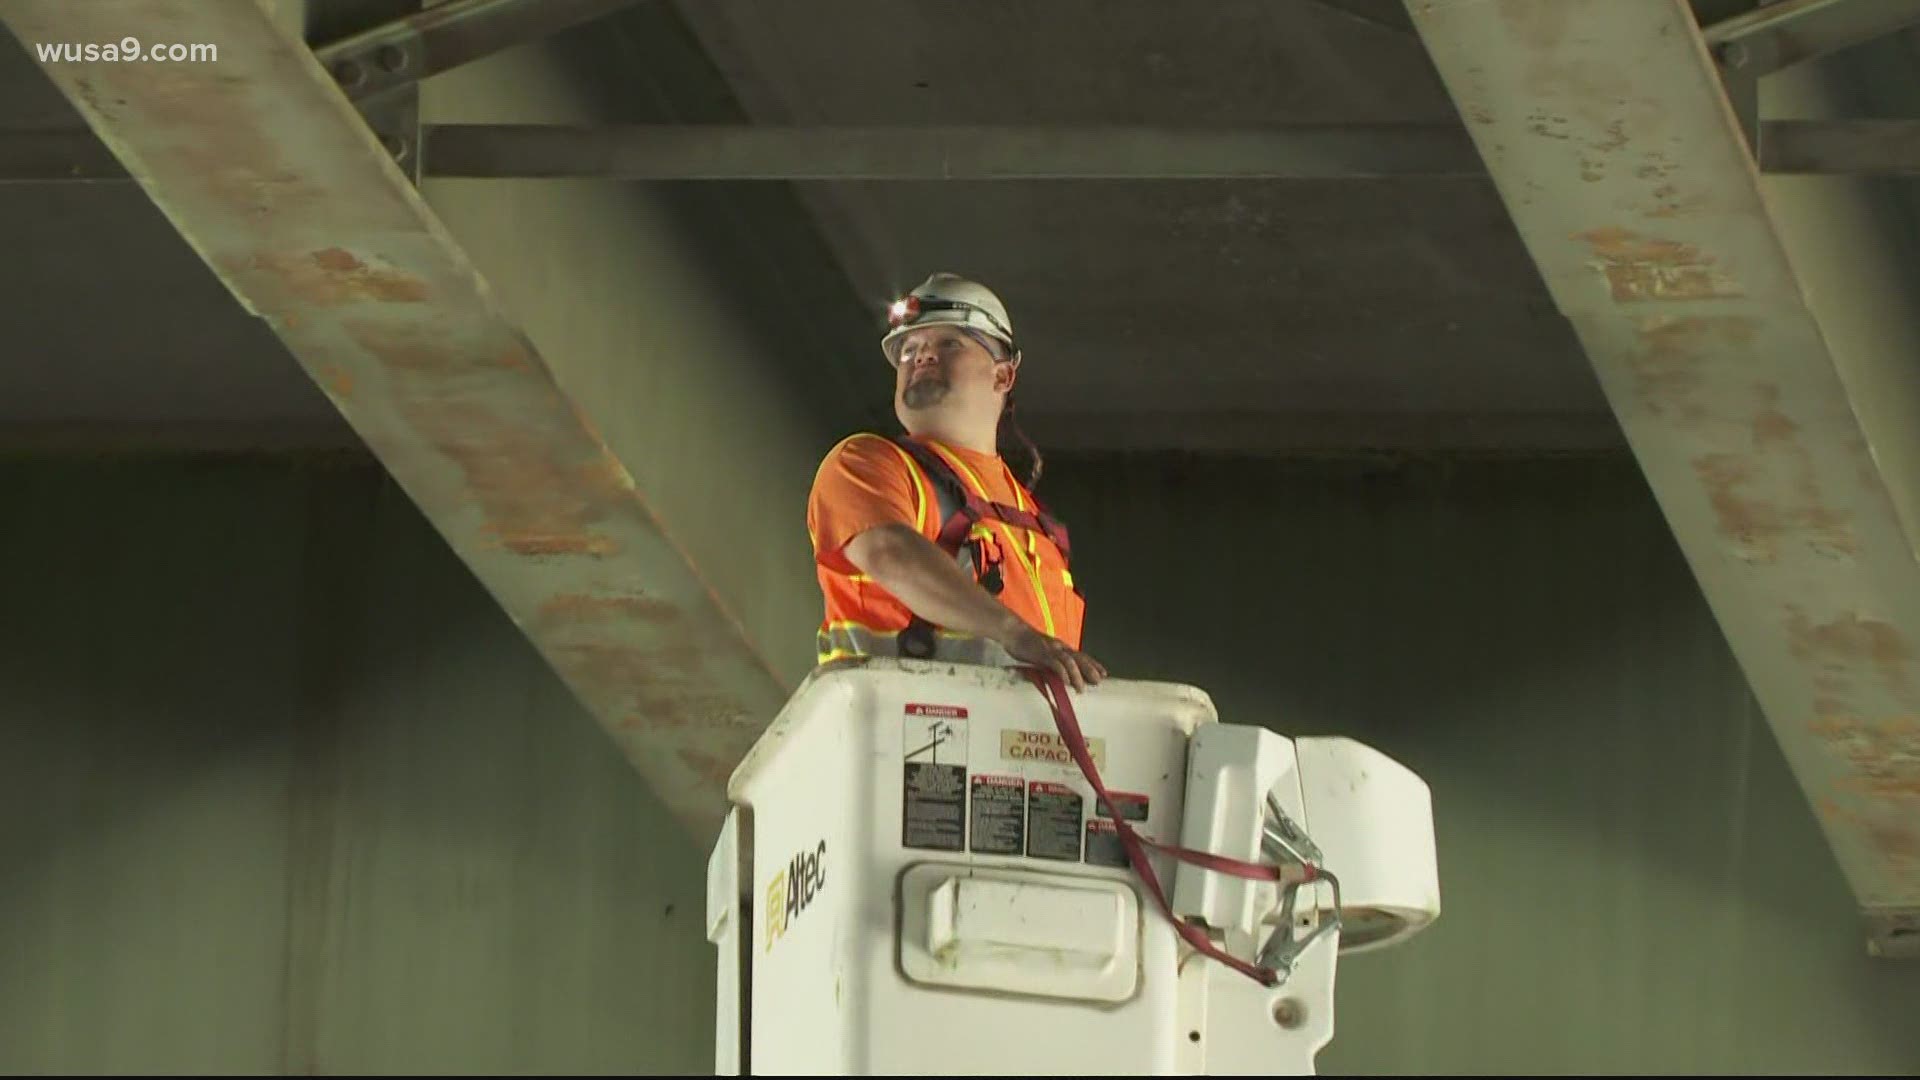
{"x": 974, "y": 508}
{"x": 1040, "y": 523}
{"x": 1054, "y": 689}
{"x": 953, "y": 531}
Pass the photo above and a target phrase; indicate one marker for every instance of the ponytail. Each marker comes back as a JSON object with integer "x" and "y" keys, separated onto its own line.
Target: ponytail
{"x": 1036, "y": 463}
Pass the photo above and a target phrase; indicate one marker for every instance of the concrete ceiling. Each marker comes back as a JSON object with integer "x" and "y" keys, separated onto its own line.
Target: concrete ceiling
{"x": 1235, "y": 315}
{"x": 1196, "y": 301}
{"x": 1243, "y": 316}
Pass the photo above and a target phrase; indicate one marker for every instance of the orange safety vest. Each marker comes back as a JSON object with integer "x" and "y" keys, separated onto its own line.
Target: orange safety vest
{"x": 1019, "y": 553}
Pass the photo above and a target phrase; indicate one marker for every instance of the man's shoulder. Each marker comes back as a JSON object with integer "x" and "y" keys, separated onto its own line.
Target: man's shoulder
{"x": 862, "y": 454}
{"x": 862, "y": 442}
{"x": 864, "y": 447}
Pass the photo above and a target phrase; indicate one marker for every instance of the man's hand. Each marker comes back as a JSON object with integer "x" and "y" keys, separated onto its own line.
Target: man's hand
{"x": 932, "y": 585}
{"x": 1030, "y": 646}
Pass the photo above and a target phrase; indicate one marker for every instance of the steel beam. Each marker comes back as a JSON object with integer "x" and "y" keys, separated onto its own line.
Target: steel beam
{"x": 1773, "y": 36}
{"x": 402, "y": 52}
{"x": 741, "y": 152}
{"x": 267, "y": 170}
{"x": 1604, "y": 125}
{"x": 753, "y": 152}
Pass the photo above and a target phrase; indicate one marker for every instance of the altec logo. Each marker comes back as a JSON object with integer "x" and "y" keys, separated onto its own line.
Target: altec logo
{"x": 792, "y": 889}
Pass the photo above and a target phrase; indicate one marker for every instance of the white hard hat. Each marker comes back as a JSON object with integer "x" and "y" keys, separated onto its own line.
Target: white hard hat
{"x": 948, "y": 299}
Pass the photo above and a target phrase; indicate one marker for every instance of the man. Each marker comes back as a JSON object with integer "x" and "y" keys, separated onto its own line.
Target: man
{"x": 927, "y": 545}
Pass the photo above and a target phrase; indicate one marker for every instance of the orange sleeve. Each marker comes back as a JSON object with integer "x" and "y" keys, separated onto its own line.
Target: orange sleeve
{"x": 864, "y": 482}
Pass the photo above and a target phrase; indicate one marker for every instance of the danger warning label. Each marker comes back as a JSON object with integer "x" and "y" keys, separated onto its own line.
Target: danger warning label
{"x": 999, "y": 824}
{"x": 1053, "y": 821}
{"x": 1103, "y": 844}
{"x": 933, "y": 786}
{"x": 1047, "y": 747}
{"x": 1103, "y": 836}
{"x": 934, "y": 816}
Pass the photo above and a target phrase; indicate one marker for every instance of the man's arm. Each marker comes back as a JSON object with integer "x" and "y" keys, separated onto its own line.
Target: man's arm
{"x": 933, "y": 586}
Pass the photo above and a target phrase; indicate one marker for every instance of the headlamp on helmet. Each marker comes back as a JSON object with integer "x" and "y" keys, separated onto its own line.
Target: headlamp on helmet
{"x": 904, "y": 310}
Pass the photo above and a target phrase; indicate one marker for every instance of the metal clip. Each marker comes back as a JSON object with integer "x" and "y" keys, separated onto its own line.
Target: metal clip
{"x": 1282, "y": 839}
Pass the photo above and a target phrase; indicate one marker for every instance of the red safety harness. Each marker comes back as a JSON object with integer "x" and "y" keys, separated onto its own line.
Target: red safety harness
{"x": 1054, "y": 689}
{"x": 960, "y": 509}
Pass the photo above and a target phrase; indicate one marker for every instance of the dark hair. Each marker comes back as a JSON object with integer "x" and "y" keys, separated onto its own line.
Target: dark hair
{"x": 1002, "y": 352}
{"x": 1036, "y": 463}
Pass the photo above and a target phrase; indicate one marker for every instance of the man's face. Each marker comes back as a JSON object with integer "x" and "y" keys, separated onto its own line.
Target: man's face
{"x": 945, "y": 371}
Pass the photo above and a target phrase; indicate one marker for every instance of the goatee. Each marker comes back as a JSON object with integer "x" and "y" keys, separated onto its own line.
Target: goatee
{"x": 924, "y": 392}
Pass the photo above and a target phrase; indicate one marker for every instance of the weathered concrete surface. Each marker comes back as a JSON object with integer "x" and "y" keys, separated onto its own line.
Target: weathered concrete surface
{"x": 1606, "y": 128}
{"x": 286, "y": 793}
{"x": 266, "y": 170}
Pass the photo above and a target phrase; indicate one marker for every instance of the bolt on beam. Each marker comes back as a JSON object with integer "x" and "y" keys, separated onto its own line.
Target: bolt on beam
{"x": 439, "y": 39}
{"x": 1779, "y": 35}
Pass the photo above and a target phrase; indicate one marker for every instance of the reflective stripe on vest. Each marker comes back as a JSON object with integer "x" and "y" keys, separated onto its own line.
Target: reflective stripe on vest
{"x": 851, "y": 640}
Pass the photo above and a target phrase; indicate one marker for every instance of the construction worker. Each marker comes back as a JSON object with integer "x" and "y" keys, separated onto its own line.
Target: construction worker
{"x": 926, "y": 545}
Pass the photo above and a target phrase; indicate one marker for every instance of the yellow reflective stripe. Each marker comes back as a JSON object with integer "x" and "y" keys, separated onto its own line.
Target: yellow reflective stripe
{"x": 1020, "y": 500}
{"x": 919, "y": 486}
{"x": 846, "y": 638}
{"x": 1033, "y": 548}
{"x": 1033, "y": 545}
{"x": 960, "y": 465}
{"x": 1030, "y": 566}
{"x": 1033, "y": 575}
{"x": 850, "y": 624}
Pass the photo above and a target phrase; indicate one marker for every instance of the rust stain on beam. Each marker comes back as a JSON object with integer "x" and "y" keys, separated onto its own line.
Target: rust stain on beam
{"x": 331, "y": 277}
{"x": 1841, "y": 644}
{"x": 270, "y": 173}
{"x": 1639, "y": 268}
{"x": 1757, "y": 524}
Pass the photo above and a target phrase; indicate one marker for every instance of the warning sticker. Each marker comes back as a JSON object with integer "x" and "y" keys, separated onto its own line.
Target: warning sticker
{"x": 1053, "y": 821}
{"x": 999, "y": 814}
{"x": 934, "y": 816}
{"x": 1103, "y": 844}
{"x": 1127, "y": 806}
{"x": 1047, "y": 747}
{"x": 933, "y": 788}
